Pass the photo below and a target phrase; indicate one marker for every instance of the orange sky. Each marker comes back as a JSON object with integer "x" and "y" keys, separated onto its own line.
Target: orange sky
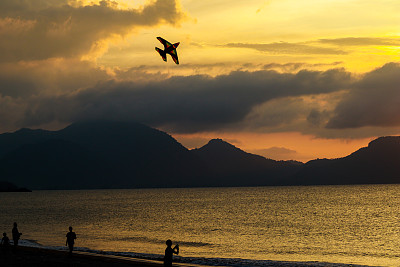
{"x": 283, "y": 146}
{"x": 286, "y": 79}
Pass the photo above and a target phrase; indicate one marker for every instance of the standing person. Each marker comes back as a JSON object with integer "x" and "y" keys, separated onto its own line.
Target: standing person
{"x": 16, "y": 234}
{"x": 5, "y": 241}
{"x": 169, "y": 251}
{"x": 71, "y": 236}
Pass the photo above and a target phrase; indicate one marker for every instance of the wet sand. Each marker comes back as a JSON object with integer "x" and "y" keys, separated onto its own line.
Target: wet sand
{"x": 35, "y": 257}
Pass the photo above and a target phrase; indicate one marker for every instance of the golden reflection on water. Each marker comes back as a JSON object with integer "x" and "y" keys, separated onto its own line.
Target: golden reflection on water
{"x": 343, "y": 224}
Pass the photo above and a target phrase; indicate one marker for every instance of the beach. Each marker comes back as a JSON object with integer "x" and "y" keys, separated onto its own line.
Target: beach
{"x": 28, "y": 256}
{"x": 33, "y": 256}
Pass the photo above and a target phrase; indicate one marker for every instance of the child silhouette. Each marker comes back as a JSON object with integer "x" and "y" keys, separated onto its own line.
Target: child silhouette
{"x": 71, "y": 236}
{"x": 5, "y": 241}
{"x": 169, "y": 251}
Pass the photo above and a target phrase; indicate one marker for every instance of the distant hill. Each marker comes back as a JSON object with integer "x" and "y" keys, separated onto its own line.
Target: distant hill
{"x": 99, "y": 154}
{"x": 379, "y": 163}
{"x": 9, "y": 187}
{"x": 109, "y": 154}
{"x": 227, "y": 164}
{"x": 12, "y": 141}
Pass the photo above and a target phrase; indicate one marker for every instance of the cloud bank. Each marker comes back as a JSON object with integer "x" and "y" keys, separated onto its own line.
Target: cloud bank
{"x": 42, "y": 29}
{"x": 373, "y": 101}
{"x": 185, "y": 104}
{"x": 331, "y": 103}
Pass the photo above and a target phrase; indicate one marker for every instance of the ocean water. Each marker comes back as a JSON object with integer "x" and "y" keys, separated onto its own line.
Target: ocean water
{"x": 228, "y": 226}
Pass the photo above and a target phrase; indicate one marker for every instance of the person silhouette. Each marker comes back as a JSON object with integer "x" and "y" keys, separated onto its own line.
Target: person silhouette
{"x": 169, "y": 251}
{"x": 5, "y": 241}
{"x": 15, "y": 234}
{"x": 71, "y": 236}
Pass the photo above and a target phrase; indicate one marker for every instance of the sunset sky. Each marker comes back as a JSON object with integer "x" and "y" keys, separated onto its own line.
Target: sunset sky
{"x": 285, "y": 79}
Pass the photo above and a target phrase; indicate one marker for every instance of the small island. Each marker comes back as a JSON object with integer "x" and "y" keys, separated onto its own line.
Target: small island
{"x": 9, "y": 187}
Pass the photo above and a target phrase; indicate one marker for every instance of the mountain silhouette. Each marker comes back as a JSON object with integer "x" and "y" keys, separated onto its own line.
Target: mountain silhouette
{"x": 378, "y": 163}
{"x": 112, "y": 154}
{"x": 9, "y": 187}
{"x": 12, "y": 141}
{"x": 227, "y": 164}
{"x": 96, "y": 154}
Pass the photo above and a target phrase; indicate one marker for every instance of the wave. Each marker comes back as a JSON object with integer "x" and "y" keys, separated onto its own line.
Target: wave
{"x": 158, "y": 241}
{"x": 233, "y": 262}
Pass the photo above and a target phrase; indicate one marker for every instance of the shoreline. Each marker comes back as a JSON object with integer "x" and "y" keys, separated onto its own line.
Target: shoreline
{"x": 45, "y": 257}
{"x": 34, "y": 256}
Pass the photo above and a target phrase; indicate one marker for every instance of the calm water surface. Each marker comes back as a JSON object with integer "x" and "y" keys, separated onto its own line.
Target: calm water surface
{"x": 340, "y": 224}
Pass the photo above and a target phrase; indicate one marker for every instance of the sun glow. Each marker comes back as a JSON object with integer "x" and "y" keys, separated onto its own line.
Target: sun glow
{"x": 114, "y": 40}
{"x": 304, "y": 147}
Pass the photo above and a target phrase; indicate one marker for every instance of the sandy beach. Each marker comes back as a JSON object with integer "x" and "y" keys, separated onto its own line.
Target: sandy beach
{"x": 35, "y": 257}
{"x": 28, "y": 256}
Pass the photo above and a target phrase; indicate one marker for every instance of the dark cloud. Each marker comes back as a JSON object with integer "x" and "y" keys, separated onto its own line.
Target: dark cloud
{"x": 328, "y": 104}
{"x": 32, "y": 30}
{"x": 289, "y": 48}
{"x": 13, "y": 85}
{"x": 184, "y": 104}
{"x": 373, "y": 101}
{"x": 317, "y": 117}
{"x": 287, "y": 66}
{"x": 23, "y": 80}
{"x": 11, "y": 112}
{"x": 11, "y": 8}
{"x": 277, "y": 113}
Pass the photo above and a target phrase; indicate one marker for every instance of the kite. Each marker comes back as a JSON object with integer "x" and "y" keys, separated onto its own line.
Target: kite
{"x": 168, "y": 49}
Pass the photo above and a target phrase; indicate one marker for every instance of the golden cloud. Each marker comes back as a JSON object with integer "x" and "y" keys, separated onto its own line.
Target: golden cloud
{"x": 48, "y": 29}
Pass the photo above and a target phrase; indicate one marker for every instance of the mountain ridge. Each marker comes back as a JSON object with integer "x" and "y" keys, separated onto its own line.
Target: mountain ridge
{"x": 9, "y": 187}
{"x": 374, "y": 164}
{"x": 110, "y": 154}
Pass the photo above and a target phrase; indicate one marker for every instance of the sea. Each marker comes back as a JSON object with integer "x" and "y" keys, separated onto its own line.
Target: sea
{"x": 248, "y": 226}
